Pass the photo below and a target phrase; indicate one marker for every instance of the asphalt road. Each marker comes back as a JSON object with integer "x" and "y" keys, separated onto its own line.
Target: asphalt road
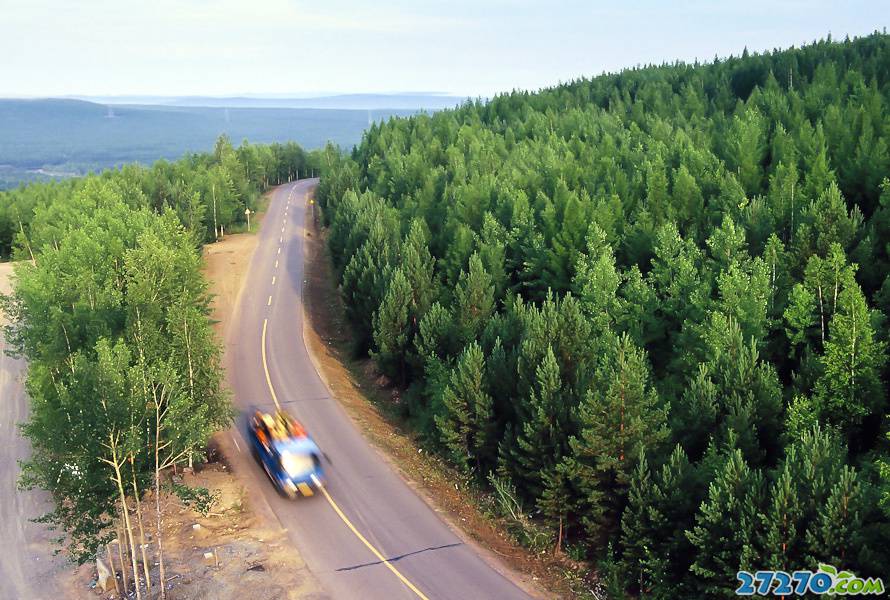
{"x": 370, "y": 513}
{"x": 26, "y": 559}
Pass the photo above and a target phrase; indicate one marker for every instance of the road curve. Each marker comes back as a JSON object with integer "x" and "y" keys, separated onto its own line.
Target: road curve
{"x": 372, "y": 537}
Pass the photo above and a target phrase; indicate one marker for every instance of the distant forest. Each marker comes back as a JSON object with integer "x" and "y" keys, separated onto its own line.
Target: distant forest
{"x": 50, "y": 139}
{"x": 651, "y": 307}
{"x": 207, "y": 192}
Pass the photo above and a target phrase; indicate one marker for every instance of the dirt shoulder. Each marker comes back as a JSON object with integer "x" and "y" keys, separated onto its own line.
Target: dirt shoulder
{"x": 227, "y": 554}
{"x": 28, "y": 569}
{"x": 356, "y": 386}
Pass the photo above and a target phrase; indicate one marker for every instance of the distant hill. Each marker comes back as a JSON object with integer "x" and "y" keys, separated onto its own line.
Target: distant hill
{"x": 406, "y": 101}
{"x": 41, "y": 139}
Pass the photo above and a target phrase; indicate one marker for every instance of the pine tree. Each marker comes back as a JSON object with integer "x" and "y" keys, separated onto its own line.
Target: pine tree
{"x": 364, "y": 282}
{"x": 785, "y": 199}
{"x": 620, "y": 417}
{"x": 540, "y": 439}
{"x": 392, "y": 334}
{"x": 884, "y": 470}
{"x": 850, "y": 389}
{"x": 680, "y": 493}
{"x": 419, "y": 269}
{"x": 723, "y": 534}
{"x": 782, "y": 517}
{"x": 694, "y": 417}
{"x": 596, "y": 282}
{"x": 727, "y": 244}
{"x": 800, "y": 315}
{"x": 639, "y": 531}
{"x": 661, "y": 507}
{"x": 746, "y": 148}
{"x": 556, "y": 504}
{"x": 466, "y": 426}
{"x": 474, "y": 298}
{"x": 834, "y": 536}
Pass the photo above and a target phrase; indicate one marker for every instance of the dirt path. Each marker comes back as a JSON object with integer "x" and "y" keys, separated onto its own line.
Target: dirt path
{"x": 27, "y": 567}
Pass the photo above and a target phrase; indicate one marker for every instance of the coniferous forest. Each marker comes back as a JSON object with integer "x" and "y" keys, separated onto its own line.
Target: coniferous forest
{"x": 652, "y": 305}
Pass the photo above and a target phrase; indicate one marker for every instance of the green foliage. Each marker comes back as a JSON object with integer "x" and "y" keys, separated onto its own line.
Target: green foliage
{"x": 657, "y": 554}
{"x": 619, "y": 419}
{"x": 203, "y": 190}
{"x": 474, "y": 300}
{"x": 113, "y": 317}
{"x": 200, "y": 499}
{"x": 687, "y": 254}
{"x": 723, "y": 534}
{"x": 466, "y": 425}
{"x": 391, "y": 333}
{"x": 850, "y": 388}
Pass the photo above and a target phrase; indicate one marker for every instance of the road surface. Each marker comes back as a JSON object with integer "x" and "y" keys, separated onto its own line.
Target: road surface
{"x": 370, "y": 536}
{"x": 27, "y": 561}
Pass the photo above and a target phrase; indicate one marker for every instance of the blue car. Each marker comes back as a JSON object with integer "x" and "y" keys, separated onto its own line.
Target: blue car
{"x": 286, "y": 452}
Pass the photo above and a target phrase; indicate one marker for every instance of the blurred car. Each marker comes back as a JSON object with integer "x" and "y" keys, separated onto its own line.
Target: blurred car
{"x": 289, "y": 456}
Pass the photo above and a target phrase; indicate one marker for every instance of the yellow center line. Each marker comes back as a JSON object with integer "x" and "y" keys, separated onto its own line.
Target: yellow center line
{"x": 327, "y": 496}
{"x": 269, "y": 303}
{"x": 266, "y": 368}
{"x": 363, "y": 540}
{"x": 273, "y": 280}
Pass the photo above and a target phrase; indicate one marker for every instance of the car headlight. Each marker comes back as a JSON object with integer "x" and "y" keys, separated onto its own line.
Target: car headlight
{"x": 296, "y": 464}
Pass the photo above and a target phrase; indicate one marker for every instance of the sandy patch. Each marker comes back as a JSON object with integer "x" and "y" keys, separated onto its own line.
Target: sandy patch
{"x": 225, "y": 264}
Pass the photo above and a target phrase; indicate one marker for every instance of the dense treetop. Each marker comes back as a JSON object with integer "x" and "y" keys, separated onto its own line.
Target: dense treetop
{"x": 653, "y": 301}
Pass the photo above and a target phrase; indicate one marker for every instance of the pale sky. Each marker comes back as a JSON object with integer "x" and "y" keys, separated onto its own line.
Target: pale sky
{"x": 465, "y": 47}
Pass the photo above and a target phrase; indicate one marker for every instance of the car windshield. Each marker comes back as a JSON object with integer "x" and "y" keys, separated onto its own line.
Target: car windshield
{"x": 296, "y": 464}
